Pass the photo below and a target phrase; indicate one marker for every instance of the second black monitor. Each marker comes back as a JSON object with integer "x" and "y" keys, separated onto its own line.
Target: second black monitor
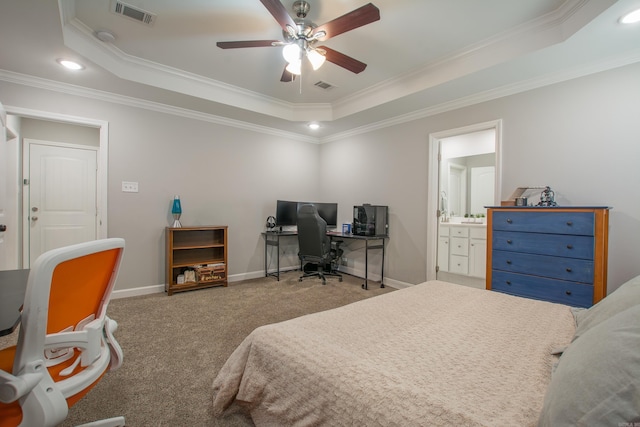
{"x": 287, "y": 212}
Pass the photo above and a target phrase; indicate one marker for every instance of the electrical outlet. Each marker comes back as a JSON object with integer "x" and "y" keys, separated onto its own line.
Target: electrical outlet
{"x": 129, "y": 187}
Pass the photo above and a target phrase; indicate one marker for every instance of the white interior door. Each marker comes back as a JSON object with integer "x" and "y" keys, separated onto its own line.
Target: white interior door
{"x": 457, "y": 190}
{"x": 61, "y": 208}
{"x": 482, "y": 188}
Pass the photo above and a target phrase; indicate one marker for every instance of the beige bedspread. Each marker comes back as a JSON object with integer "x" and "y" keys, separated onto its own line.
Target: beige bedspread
{"x": 429, "y": 355}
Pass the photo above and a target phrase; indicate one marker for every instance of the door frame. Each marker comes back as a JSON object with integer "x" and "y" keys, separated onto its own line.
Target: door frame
{"x": 433, "y": 182}
{"x": 102, "y": 163}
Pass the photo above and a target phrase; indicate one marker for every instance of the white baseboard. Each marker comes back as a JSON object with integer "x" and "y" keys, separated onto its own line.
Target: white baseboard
{"x": 134, "y": 292}
{"x": 155, "y": 289}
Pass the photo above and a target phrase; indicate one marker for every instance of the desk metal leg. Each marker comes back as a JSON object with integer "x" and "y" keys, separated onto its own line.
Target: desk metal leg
{"x": 366, "y": 265}
{"x": 365, "y": 285}
{"x": 382, "y": 267}
{"x": 268, "y": 242}
{"x": 278, "y": 259}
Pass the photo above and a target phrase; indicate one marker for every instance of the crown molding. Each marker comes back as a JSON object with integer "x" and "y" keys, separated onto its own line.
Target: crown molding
{"x": 489, "y": 95}
{"x": 545, "y": 31}
{"x": 69, "y": 89}
{"x": 503, "y": 91}
{"x": 78, "y": 37}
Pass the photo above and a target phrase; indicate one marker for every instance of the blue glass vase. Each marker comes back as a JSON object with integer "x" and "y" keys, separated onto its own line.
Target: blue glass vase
{"x": 176, "y": 210}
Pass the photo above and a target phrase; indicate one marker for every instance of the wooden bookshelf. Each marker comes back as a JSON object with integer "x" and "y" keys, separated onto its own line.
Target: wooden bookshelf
{"x": 202, "y": 250}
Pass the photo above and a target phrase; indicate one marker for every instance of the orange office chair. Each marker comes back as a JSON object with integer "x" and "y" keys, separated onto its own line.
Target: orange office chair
{"x": 66, "y": 341}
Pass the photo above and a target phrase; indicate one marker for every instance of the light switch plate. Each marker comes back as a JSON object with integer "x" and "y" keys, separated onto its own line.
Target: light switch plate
{"x": 129, "y": 187}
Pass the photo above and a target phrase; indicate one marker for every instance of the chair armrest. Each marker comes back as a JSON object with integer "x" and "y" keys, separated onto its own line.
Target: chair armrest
{"x": 88, "y": 340}
{"x": 13, "y": 388}
{"x": 114, "y": 348}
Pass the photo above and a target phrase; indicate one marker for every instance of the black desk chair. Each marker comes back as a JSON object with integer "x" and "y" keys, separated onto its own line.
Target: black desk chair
{"x": 317, "y": 257}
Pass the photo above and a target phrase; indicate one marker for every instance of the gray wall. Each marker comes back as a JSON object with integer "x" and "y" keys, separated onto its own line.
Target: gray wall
{"x": 580, "y": 137}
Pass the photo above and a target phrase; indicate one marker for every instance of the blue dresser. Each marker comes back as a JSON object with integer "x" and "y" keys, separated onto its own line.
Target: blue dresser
{"x": 555, "y": 254}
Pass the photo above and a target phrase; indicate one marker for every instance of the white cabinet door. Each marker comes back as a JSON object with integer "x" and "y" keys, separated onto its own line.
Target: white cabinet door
{"x": 477, "y": 257}
{"x": 443, "y": 253}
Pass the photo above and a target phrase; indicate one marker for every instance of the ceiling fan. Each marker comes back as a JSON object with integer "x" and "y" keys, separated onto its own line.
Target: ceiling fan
{"x": 302, "y": 35}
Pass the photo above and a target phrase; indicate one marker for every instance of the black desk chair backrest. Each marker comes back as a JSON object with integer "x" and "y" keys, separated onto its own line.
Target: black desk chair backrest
{"x": 313, "y": 243}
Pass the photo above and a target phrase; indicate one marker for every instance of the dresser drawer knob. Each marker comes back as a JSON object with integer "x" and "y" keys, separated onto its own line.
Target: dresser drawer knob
{"x": 509, "y": 220}
{"x": 567, "y": 292}
{"x": 569, "y": 270}
{"x": 509, "y": 282}
{"x": 569, "y": 246}
{"x": 509, "y": 261}
{"x": 569, "y": 223}
{"x": 509, "y": 241}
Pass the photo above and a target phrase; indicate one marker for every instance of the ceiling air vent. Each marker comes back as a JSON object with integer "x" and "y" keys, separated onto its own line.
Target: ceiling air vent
{"x": 324, "y": 85}
{"x": 132, "y": 12}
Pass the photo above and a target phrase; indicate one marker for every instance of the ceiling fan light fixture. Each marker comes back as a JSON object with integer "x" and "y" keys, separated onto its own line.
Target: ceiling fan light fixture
{"x": 291, "y": 53}
{"x": 315, "y": 58}
{"x": 295, "y": 67}
{"x": 319, "y": 34}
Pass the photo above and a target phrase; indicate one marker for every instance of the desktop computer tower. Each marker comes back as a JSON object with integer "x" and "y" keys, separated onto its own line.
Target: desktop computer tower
{"x": 370, "y": 220}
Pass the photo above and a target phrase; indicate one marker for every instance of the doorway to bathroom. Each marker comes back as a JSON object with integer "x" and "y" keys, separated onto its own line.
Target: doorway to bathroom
{"x": 464, "y": 177}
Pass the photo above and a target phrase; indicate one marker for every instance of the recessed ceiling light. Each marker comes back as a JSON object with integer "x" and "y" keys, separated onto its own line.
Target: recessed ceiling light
{"x": 71, "y": 65}
{"x": 631, "y": 17}
{"x": 314, "y": 126}
{"x": 105, "y": 36}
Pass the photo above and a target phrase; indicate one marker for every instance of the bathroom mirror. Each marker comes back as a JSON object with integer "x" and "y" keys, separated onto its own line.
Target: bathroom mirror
{"x": 468, "y": 184}
{"x": 467, "y": 174}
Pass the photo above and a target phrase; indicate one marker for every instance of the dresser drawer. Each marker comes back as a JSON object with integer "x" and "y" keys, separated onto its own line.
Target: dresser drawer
{"x": 579, "y": 223}
{"x": 459, "y": 246}
{"x": 544, "y": 244}
{"x": 571, "y": 269}
{"x": 560, "y": 291}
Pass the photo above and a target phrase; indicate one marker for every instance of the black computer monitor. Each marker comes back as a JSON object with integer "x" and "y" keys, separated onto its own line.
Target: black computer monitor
{"x": 286, "y": 212}
{"x": 328, "y": 212}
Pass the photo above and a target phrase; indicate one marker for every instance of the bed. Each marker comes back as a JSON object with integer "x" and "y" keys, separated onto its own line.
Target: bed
{"x": 439, "y": 354}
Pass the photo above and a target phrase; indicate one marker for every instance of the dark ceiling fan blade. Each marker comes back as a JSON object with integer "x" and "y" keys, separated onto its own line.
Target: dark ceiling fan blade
{"x": 354, "y": 19}
{"x": 247, "y": 43}
{"x": 279, "y": 12}
{"x": 287, "y": 77}
{"x": 343, "y": 60}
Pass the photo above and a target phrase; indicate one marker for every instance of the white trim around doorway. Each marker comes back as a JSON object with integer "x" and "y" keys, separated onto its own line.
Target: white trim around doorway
{"x": 433, "y": 178}
{"x": 103, "y": 156}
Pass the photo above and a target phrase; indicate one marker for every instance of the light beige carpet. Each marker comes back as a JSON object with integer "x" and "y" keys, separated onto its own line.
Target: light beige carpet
{"x": 174, "y": 346}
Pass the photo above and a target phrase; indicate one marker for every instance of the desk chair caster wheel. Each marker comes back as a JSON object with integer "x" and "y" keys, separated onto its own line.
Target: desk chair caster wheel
{"x": 340, "y": 279}
{"x": 300, "y": 279}
{"x": 364, "y": 286}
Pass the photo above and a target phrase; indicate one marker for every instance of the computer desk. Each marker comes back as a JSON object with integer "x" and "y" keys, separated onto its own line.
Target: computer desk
{"x": 272, "y": 238}
{"x": 13, "y": 285}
